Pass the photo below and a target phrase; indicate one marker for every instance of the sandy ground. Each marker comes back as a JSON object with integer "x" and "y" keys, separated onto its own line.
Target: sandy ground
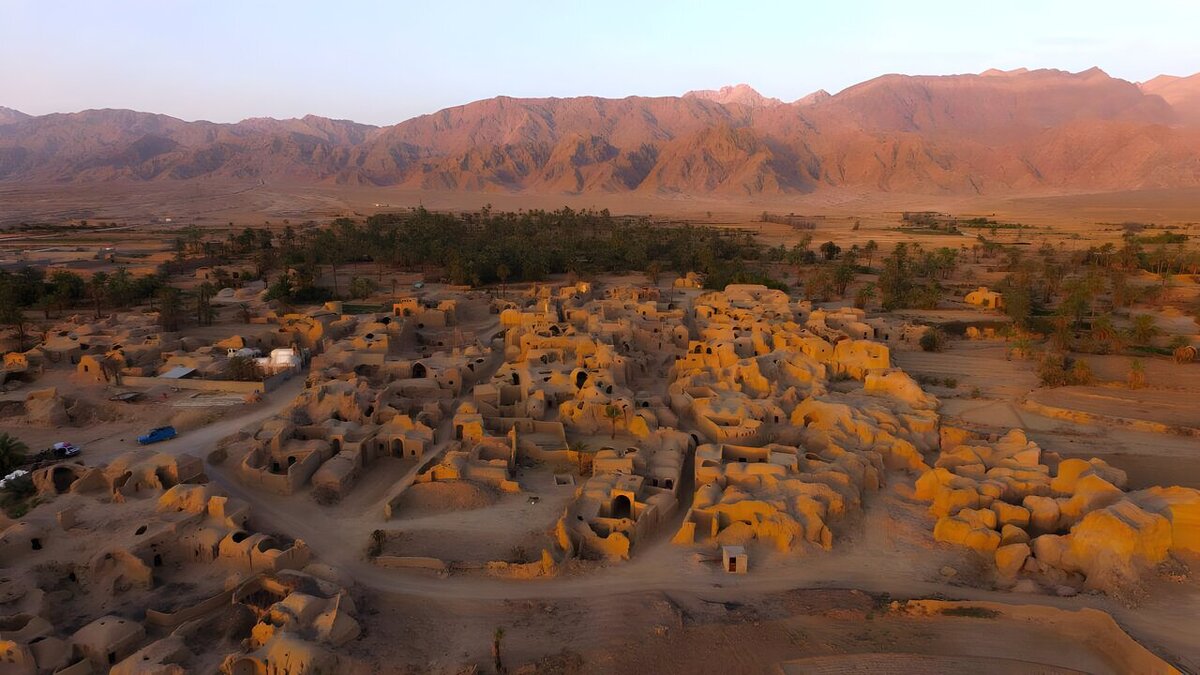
{"x": 1148, "y": 458}
{"x": 512, "y": 527}
{"x": 670, "y": 632}
{"x": 671, "y": 609}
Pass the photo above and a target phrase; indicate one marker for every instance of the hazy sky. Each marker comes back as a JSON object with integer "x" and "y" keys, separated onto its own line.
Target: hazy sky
{"x": 382, "y": 62}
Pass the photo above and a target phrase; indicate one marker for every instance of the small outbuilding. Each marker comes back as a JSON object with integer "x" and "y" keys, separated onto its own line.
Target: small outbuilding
{"x": 108, "y": 640}
{"x": 734, "y": 559}
{"x": 982, "y": 297}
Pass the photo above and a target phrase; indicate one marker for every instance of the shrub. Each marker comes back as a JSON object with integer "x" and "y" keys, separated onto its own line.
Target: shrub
{"x": 375, "y": 547}
{"x": 1081, "y": 373}
{"x": 1056, "y": 370}
{"x": 934, "y": 340}
{"x": 361, "y": 288}
{"x": 244, "y": 369}
{"x": 1052, "y": 370}
{"x": 15, "y": 498}
{"x": 973, "y": 612}
{"x": 1137, "y": 374}
{"x": 327, "y": 496}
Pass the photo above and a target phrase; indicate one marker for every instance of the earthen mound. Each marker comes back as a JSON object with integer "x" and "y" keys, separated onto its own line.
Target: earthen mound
{"x": 444, "y": 496}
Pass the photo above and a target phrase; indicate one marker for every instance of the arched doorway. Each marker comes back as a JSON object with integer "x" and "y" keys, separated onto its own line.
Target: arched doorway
{"x": 622, "y": 507}
{"x": 62, "y": 478}
{"x": 418, "y": 371}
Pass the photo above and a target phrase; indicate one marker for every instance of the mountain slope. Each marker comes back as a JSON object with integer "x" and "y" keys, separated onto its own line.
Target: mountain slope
{"x": 1181, "y": 93}
{"x": 994, "y": 133}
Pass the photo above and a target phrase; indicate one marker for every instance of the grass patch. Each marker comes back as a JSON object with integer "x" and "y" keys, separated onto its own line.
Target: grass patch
{"x": 973, "y": 612}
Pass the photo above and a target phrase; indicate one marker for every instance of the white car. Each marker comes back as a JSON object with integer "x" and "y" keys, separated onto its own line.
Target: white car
{"x": 65, "y": 450}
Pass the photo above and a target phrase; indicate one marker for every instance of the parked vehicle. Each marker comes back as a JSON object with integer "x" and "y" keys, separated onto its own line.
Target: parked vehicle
{"x": 157, "y": 434}
{"x": 12, "y": 478}
{"x": 64, "y": 449}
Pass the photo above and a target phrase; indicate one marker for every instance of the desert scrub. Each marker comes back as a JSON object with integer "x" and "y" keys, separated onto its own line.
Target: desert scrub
{"x": 973, "y": 612}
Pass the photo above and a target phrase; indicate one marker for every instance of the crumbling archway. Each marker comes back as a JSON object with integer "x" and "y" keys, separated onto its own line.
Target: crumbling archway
{"x": 419, "y": 371}
{"x": 63, "y": 478}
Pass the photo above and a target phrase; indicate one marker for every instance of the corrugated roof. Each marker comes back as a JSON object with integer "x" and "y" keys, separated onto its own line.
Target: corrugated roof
{"x": 178, "y": 373}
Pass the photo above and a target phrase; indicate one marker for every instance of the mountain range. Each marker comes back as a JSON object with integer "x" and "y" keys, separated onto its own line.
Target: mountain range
{"x": 997, "y": 132}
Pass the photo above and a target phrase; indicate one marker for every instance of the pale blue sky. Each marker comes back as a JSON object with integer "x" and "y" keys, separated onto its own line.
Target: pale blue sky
{"x": 382, "y": 62}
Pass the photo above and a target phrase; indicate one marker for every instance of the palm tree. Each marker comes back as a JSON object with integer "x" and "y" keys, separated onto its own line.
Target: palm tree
{"x": 97, "y": 287}
{"x": 582, "y": 456}
{"x": 1143, "y": 329}
{"x": 13, "y": 316}
{"x": 170, "y": 308}
{"x": 1137, "y": 374}
{"x": 204, "y": 309}
{"x": 1022, "y": 346}
{"x": 653, "y": 270}
{"x": 497, "y": 638}
{"x": 865, "y": 295}
{"x": 502, "y": 273}
{"x": 1104, "y": 331}
{"x": 613, "y": 413}
{"x": 870, "y": 248}
{"x": 12, "y": 453}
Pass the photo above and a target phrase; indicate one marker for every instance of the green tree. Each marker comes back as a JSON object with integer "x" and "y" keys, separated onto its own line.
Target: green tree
{"x": 120, "y": 288}
{"x": 819, "y": 286}
{"x": 830, "y": 250}
{"x": 895, "y": 281}
{"x": 502, "y": 273}
{"x": 12, "y": 453}
{"x": 282, "y": 289}
{"x": 1143, "y": 329}
{"x": 98, "y": 291}
{"x": 870, "y": 249}
{"x": 613, "y": 413}
{"x": 205, "y": 314}
{"x": 653, "y": 271}
{"x": 1137, "y": 374}
{"x": 170, "y": 308}
{"x": 843, "y": 274}
{"x": 583, "y": 457}
{"x": 933, "y": 340}
{"x": 67, "y": 286}
{"x": 497, "y": 641}
{"x": 1104, "y": 332}
{"x": 1080, "y": 373}
{"x": 12, "y": 315}
{"x": 361, "y": 288}
{"x": 1018, "y": 303}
